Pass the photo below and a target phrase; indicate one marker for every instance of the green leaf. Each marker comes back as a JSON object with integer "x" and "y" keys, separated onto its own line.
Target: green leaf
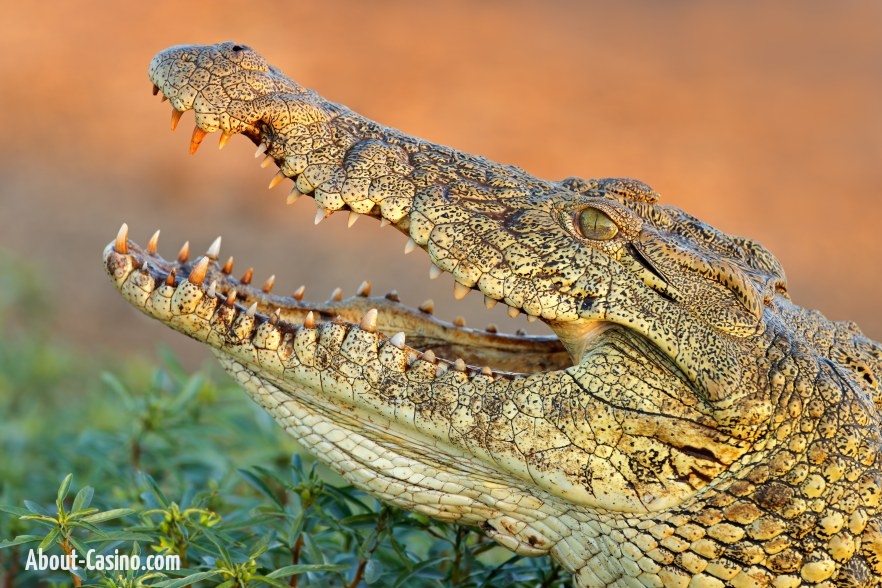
{"x": 109, "y": 515}
{"x": 62, "y": 492}
{"x": 49, "y": 539}
{"x": 20, "y": 540}
{"x": 83, "y": 499}
{"x": 187, "y": 580}
{"x": 303, "y": 568}
{"x": 37, "y": 509}
{"x": 154, "y": 489}
{"x": 259, "y": 485}
{"x": 267, "y": 581}
{"x": 14, "y": 510}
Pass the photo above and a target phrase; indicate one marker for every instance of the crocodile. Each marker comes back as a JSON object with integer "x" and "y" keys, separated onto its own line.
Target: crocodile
{"x": 686, "y": 425}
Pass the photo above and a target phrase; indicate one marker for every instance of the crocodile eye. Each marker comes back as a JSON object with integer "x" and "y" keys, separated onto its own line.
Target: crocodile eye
{"x": 595, "y": 224}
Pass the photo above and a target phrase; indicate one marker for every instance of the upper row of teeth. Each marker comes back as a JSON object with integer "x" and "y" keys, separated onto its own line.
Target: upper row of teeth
{"x": 460, "y": 291}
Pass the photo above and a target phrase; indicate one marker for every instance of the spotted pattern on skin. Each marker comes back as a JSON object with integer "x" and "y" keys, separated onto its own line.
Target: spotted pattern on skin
{"x": 690, "y": 425}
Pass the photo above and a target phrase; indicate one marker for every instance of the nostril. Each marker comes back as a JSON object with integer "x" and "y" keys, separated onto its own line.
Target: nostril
{"x": 239, "y": 47}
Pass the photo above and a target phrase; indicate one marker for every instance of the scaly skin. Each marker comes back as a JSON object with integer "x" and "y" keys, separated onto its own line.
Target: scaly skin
{"x": 690, "y": 425}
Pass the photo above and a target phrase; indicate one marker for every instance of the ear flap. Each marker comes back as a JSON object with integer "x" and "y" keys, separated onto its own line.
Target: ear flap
{"x": 712, "y": 289}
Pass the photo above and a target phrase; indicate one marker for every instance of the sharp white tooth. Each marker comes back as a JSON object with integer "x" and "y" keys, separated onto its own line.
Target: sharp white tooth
{"x": 397, "y": 340}
{"x": 369, "y": 321}
{"x": 309, "y": 321}
{"x": 152, "y": 243}
{"x": 320, "y": 215}
{"x": 353, "y": 216}
{"x": 293, "y": 195}
{"x": 224, "y": 137}
{"x": 460, "y": 291}
{"x": 513, "y": 312}
{"x": 261, "y": 149}
{"x": 212, "y": 289}
{"x": 489, "y": 302}
{"x": 409, "y": 246}
{"x": 121, "y": 245}
{"x": 384, "y": 222}
{"x": 298, "y": 293}
{"x": 434, "y": 272}
{"x": 267, "y": 161}
{"x": 214, "y": 249}
{"x": 252, "y": 310}
{"x": 277, "y": 179}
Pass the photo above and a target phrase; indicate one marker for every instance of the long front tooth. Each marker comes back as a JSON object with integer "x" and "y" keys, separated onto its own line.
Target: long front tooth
{"x": 321, "y": 214}
{"x": 176, "y": 118}
{"x": 409, "y": 246}
{"x": 369, "y": 321}
{"x": 152, "y": 243}
{"x": 214, "y": 249}
{"x": 196, "y": 139}
{"x": 224, "y": 137}
{"x": 184, "y": 253}
{"x": 277, "y": 179}
{"x": 293, "y": 195}
{"x": 459, "y": 290}
{"x": 353, "y": 216}
{"x": 197, "y": 274}
{"x": 434, "y": 272}
{"x": 261, "y": 149}
{"x": 121, "y": 245}
{"x": 489, "y": 302}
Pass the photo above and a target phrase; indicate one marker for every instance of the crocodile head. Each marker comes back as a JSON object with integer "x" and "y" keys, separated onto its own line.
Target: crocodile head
{"x": 660, "y": 383}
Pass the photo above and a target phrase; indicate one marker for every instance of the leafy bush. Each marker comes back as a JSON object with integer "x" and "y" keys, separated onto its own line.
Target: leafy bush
{"x": 147, "y": 461}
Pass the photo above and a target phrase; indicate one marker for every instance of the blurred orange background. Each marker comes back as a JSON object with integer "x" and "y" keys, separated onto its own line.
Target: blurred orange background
{"x": 762, "y": 119}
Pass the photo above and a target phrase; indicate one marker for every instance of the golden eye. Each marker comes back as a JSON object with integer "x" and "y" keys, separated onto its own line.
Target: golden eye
{"x": 595, "y": 224}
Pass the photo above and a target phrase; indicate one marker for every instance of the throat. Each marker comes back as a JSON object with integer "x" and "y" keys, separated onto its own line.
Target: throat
{"x": 579, "y": 336}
